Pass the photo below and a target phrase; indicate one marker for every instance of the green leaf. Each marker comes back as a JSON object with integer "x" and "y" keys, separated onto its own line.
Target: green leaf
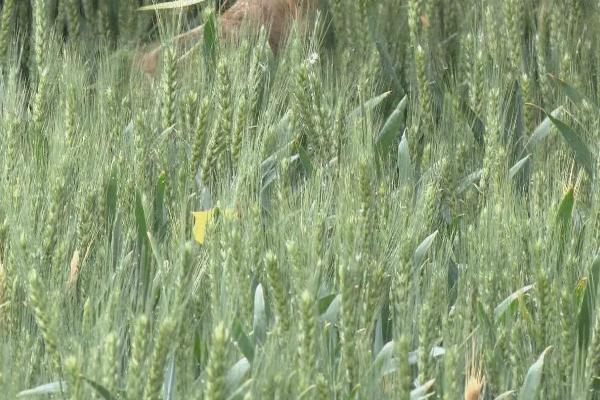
{"x": 564, "y": 215}
{"x": 160, "y": 226}
{"x": 469, "y": 181}
{"x": 572, "y": 93}
{"x": 406, "y": 171}
{"x": 170, "y": 379}
{"x": 531, "y": 386}
{"x": 111, "y": 198}
{"x": 583, "y": 155}
{"x": 155, "y": 250}
{"x": 505, "y": 395}
{"x": 101, "y": 390}
{"x": 385, "y": 362}
{"x": 423, "y": 248}
{"x": 475, "y": 123}
{"x": 514, "y": 170}
{"x": 242, "y": 340}
{"x": 169, "y": 5}
{"x": 389, "y": 66}
{"x": 237, "y": 373}
{"x": 140, "y": 219}
{"x": 333, "y": 311}
{"x": 501, "y": 309}
{"x": 305, "y": 160}
{"x": 47, "y": 388}
{"x": 391, "y": 129}
{"x": 209, "y": 36}
{"x": 421, "y": 391}
{"x": 260, "y": 316}
{"x": 324, "y": 302}
{"x": 585, "y": 319}
{"x": 543, "y": 129}
{"x": 367, "y": 105}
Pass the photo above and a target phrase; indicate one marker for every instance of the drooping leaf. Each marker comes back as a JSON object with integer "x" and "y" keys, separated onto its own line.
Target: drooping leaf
{"x": 155, "y": 249}
{"x": 505, "y": 395}
{"x": 140, "y": 219}
{"x": 260, "y": 316}
{"x": 391, "y": 129}
{"x": 469, "y": 181}
{"x": 101, "y": 390}
{"x": 111, "y": 198}
{"x": 169, "y": 5}
{"x": 386, "y": 59}
{"x": 564, "y": 215}
{"x": 237, "y": 373}
{"x": 501, "y": 308}
{"x": 423, "y": 248}
{"x": 475, "y": 123}
{"x": 305, "y": 160}
{"x": 583, "y": 155}
{"x": 378, "y": 342}
{"x": 406, "y": 171}
{"x": 209, "y": 37}
{"x": 159, "y": 226}
{"x": 169, "y": 387}
{"x": 531, "y": 386}
{"x": 368, "y": 105}
{"x": 542, "y": 130}
{"x": 436, "y": 351}
{"x": 422, "y": 391}
{"x": 47, "y": 388}
{"x": 384, "y": 362}
{"x": 333, "y": 311}
{"x": 324, "y": 302}
{"x": 572, "y": 92}
{"x": 242, "y": 340}
{"x": 585, "y": 319}
{"x": 515, "y": 169}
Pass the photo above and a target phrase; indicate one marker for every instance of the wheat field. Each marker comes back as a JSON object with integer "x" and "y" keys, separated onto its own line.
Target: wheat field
{"x": 401, "y": 202}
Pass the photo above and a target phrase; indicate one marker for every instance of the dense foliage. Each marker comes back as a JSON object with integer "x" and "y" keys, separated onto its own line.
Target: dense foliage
{"x": 411, "y": 210}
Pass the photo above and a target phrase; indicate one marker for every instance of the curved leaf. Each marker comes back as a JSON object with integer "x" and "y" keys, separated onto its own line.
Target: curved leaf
{"x": 169, "y": 5}
{"x": 242, "y": 340}
{"x": 260, "y": 316}
{"x": 514, "y": 170}
{"x": 47, "y": 388}
{"x": 170, "y": 385}
{"x": 531, "y": 386}
{"x": 368, "y": 105}
{"x": 237, "y": 373}
{"x": 501, "y": 309}
{"x": 324, "y": 302}
{"x": 333, "y": 311}
{"x": 391, "y": 129}
{"x": 564, "y": 215}
{"x": 421, "y": 391}
{"x": 384, "y": 362}
{"x": 423, "y": 248}
{"x": 585, "y": 318}
{"x": 543, "y": 129}
{"x": 572, "y": 92}
{"x": 405, "y": 169}
{"x": 583, "y": 155}
{"x": 505, "y": 395}
{"x": 469, "y": 181}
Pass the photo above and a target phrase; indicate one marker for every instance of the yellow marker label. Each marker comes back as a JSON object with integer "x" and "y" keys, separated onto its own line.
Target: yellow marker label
{"x": 202, "y": 218}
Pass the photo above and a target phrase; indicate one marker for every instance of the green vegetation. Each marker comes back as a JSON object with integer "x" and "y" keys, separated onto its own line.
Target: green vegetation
{"x": 415, "y": 206}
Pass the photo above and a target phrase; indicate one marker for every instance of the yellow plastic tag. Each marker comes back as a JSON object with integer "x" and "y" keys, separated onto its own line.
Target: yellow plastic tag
{"x": 201, "y": 219}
